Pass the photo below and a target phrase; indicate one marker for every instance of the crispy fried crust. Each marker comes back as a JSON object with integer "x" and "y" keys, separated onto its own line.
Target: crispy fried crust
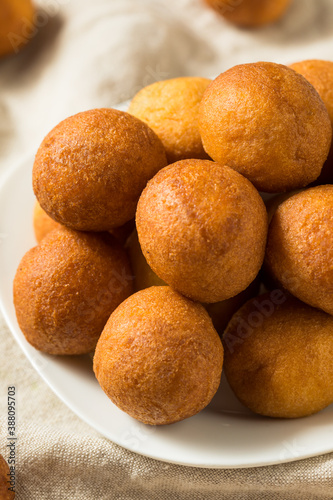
{"x": 159, "y": 358}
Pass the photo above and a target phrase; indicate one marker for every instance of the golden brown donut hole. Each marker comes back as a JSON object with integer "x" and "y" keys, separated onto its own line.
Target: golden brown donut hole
{"x": 159, "y": 358}
{"x": 91, "y": 168}
{"x": 171, "y": 109}
{"x": 299, "y": 252}
{"x": 278, "y": 356}
{"x": 267, "y": 122}
{"x": 66, "y": 288}
{"x": 202, "y": 229}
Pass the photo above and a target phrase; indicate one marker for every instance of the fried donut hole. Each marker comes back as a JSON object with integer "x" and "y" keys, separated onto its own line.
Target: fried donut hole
{"x": 267, "y": 122}
{"x": 202, "y": 229}
{"x": 91, "y": 168}
{"x": 278, "y": 356}
{"x": 66, "y": 288}
{"x": 171, "y": 109}
{"x": 159, "y": 358}
{"x": 299, "y": 252}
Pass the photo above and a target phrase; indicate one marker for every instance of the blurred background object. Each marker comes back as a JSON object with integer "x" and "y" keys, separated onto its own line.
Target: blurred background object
{"x": 250, "y": 13}
{"x": 16, "y": 25}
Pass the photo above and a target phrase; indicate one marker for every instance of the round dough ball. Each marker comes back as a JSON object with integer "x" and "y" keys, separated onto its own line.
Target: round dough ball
{"x": 16, "y": 24}
{"x": 320, "y": 74}
{"x": 278, "y": 356}
{"x": 267, "y": 122}
{"x": 250, "y": 13}
{"x": 299, "y": 252}
{"x": 91, "y": 168}
{"x": 43, "y": 224}
{"x": 202, "y": 229}
{"x": 159, "y": 358}
{"x": 5, "y": 493}
{"x": 66, "y": 288}
{"x": 171, "y": 109}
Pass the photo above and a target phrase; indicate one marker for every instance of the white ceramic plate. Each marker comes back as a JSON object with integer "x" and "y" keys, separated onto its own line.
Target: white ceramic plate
{"x": 224, "y": 435}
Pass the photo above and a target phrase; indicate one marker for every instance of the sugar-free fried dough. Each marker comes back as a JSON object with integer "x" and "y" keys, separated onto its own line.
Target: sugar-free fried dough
{"x": 16, "y": 23}
{"x": 202, "y": 229}
{"x": 267, "y": 122}
{"x": 278, "y": 356}
{"x": 91, "y": 168}
{"x": 299, "y": 251}
{"x": 66, "y": 288}
{"x": 159, "y": 358}
{"x": 171, "y": 108}
{"x": 250, "y": 13}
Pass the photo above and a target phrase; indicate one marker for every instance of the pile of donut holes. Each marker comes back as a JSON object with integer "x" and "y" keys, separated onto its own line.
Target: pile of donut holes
{"x": 154, "y": 243}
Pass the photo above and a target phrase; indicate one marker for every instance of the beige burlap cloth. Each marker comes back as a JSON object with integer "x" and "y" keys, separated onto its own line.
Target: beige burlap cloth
{"x": 90, "y": 54}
